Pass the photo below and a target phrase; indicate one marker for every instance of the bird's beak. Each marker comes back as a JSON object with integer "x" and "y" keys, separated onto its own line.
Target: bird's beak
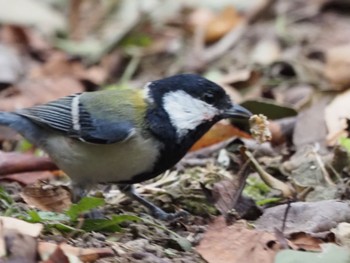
{"x": 237, "y": 112}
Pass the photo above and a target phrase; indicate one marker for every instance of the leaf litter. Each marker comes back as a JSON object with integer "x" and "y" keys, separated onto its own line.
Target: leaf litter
{"x": 284, "y": 59}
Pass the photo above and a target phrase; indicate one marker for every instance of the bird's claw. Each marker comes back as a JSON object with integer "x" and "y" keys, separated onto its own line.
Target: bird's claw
{"x": 162, "y": 215}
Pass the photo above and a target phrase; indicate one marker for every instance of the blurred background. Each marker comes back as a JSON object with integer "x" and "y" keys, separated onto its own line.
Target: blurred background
{"x": 286, "y": 59}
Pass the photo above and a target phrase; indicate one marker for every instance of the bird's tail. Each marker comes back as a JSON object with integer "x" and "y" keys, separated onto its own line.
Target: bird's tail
{"x": 8, "y": 118}
{"x": 22, "y": 125}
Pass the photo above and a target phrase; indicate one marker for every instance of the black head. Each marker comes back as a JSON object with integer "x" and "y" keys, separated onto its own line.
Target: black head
{"x": 181, "y": 109}
{"x": 194, "y": 85}
{"x": 191, "y": 100}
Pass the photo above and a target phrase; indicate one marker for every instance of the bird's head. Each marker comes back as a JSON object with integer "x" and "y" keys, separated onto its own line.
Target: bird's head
{"x": 190, "y": 101}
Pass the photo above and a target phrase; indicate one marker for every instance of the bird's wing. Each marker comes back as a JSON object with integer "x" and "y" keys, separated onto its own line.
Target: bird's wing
{"x": 71, "y": 115}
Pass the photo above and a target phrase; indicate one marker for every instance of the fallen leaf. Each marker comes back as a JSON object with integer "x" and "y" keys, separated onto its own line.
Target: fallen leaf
{"x": 57, "y": 257}
{"x": 224, "y": 194}
{"x": 236, "y": 243}
{"x": 21, "y": 226}
{"x": 221, "y": 24}
{"x": 13, "y": 162}
{"x": 20, "y": 248}
{"x": 27, "y": 178}
{"x": 306, "y": 241}
{"x": 47, "y": 197}
{"x": 308, "y": 217}
{"x": 214, "y": 26}
{"x": 84, "y": 254}
{"x": 269, "y": 108}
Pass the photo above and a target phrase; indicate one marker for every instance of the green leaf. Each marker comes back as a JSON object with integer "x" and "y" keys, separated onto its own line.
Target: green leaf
{"x": 86, "y": 204}
{"x": 269, "y": 108}
{"x": 345, "y": 142}
{"x": 62, "y": 227}
{"x": 109, "y": 225}
{"x": 24, "y": 146}
{"x": 53, "y": 216}
{"x": 5, "y": 197}
{"x": 34, "y": 217}
{"x": 271, "y": 200}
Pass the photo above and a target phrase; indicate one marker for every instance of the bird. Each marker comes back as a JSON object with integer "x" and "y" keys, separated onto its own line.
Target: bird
{"x": 125, "y": 136}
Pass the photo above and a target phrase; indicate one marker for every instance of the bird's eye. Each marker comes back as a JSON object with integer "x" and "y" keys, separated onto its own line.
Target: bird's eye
{"x": 208, "y": 98}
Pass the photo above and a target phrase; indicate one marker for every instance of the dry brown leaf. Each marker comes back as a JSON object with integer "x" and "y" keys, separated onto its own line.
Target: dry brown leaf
{"x": 215, "y": 26}
{"x": 309, "y": 217}
{"x": 222, "y": 24}
{"x": 57, "y": 257}
{"x": 21, "y": 226}
{"x": 47, "y": 197}
{"x": 20, "y": 248}
{"x": 236, "y": 244}
{"x": 27, "y": 177}
{"x": 224, "y": 193}
{"x": 18, "y": 162}
{"x": 84, "y": 254}
{"x": 306, "y": 241}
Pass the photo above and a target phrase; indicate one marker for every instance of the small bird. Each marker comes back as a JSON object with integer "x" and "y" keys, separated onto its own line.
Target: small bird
{"x": 125, "y": 136}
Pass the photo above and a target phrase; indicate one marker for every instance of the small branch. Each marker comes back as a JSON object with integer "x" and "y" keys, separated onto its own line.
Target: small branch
{"x": 271, "y": 181}
{"x": 325, "y": 173}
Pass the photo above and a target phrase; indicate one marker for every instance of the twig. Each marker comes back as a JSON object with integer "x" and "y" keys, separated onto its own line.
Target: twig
{"x": 322, "y": 167}
{"x": 285, "y": 216}
{"x": 280, "y": 233}
{"x": 271, "y": 181}
{"x": 242, "y": 175}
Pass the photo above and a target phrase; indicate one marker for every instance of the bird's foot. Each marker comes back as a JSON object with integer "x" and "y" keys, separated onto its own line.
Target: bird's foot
{"x": 162, "y": 215}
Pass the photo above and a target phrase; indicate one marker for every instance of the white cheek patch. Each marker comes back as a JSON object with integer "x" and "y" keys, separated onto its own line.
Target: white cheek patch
{"x": 186, "y": 112}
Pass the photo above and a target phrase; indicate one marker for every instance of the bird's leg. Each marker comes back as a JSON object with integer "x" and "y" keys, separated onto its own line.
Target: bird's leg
{"x": 78, "y": 192}
{"x": 157, "y": 212}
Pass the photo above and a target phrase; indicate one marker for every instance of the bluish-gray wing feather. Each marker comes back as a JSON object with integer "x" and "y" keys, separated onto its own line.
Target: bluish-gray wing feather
{"x": 58, "y": 115}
